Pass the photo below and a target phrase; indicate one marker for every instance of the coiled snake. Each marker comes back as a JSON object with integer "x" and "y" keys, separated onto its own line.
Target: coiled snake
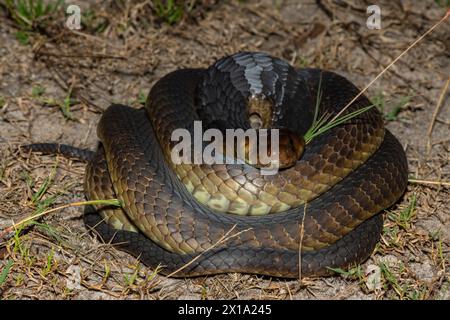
{"x": 199, "y": 219}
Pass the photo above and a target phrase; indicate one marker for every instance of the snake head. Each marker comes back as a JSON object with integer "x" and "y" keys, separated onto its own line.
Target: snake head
{"x": 259, "y": 110}
{"x": 275, "y": 148}
{"x": 291, "y": 147}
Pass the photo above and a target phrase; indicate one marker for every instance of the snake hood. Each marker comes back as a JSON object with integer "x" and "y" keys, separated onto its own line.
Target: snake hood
{"x": 236, "y": 85}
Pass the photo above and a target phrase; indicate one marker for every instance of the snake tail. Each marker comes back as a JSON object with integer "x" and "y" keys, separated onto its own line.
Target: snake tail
{"x": 65, "y": 150}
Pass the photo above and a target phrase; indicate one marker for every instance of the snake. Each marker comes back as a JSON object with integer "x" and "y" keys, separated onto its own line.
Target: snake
{"x": 321, "y": 211}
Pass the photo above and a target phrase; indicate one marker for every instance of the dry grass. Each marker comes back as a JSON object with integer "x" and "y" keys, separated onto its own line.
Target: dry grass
{"x": 54, "y": 89}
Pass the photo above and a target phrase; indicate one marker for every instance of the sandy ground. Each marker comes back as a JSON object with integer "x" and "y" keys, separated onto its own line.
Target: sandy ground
{"x": 124, "y": 48}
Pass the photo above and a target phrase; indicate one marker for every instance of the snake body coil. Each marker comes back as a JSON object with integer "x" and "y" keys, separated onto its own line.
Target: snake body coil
{"x": 329, "y": 200}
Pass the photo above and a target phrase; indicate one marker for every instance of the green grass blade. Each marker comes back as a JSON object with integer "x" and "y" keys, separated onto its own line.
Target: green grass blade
{"x": 345, "y": 118}
{"x": 318, "y": 100}
{"x": 109, "y": 202}
{"x": 322, "y": 126}
{"x": 44, "y": 187}
{"x": 39, "y": 9}
{"x": 5, "y": 272}
{"x": 398, "y": 107}
{"x": 311, "y": 133}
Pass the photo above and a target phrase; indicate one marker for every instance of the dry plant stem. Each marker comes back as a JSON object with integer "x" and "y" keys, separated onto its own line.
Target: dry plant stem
{"x": 392, "y": 63}
{"x": 435, "y": 113}
{"x": 439, "y": 183}
{"x": 222, "y": 240}
{"x": 73, "y": 204}
{"x": 302, "y": 230}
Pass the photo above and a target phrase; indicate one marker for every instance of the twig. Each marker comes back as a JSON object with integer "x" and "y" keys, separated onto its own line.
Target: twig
{"x": 58, "y": 77}
{"x": 223, "y": 239}
{"x": 302, "y": 229}
{"x": 325, "y": 10}
{"x": 435, "y": 113}
{"x": 92, "y": 55}
{"x": 439, "y": 183}
{"x": 392, "y": 63}
{"x": 93, "y": 38}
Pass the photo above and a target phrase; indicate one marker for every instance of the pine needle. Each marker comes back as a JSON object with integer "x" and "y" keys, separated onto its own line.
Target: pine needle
{"x": 322, "y": 125}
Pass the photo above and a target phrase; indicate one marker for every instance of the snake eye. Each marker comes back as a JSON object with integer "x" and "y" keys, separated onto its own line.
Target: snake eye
{"x": 255, "y": 121}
